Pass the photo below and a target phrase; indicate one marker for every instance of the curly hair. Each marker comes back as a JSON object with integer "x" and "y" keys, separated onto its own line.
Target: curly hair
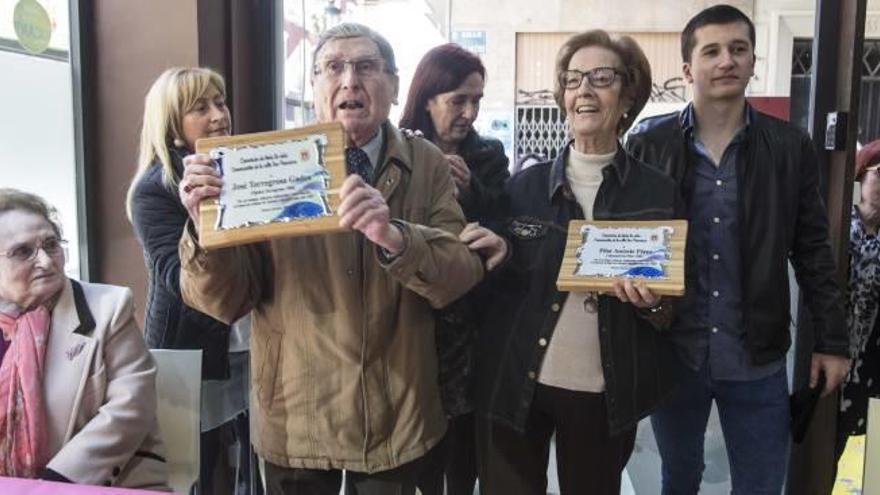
{"x": 636, "y": 83}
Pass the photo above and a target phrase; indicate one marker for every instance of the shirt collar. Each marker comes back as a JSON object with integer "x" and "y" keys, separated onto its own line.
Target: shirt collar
{"x": 373, "y": 147}
{"x": 689, "y": 119}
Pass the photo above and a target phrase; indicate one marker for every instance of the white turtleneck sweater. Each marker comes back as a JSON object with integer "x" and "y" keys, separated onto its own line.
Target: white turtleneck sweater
{"x": 573, "y": 360}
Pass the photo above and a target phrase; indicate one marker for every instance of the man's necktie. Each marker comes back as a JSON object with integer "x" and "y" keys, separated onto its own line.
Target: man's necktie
{"x": 357, "y": 162}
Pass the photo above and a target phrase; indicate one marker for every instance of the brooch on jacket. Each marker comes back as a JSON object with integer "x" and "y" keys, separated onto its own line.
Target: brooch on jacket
{"x": 527, "y": 230}
{"x": 74, "y": 351}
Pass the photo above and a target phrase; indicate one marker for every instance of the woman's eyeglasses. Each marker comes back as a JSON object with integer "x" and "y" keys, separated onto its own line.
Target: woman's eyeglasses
{"x": 600, "y": 77}
{"x": 28, "y": 252}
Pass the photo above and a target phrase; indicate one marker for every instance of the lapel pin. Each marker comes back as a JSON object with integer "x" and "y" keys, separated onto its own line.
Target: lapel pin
{"x": 74, "y": 351}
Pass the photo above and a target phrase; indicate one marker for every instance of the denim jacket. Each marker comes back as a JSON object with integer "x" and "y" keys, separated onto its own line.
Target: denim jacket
{"x": 523, "y": 303}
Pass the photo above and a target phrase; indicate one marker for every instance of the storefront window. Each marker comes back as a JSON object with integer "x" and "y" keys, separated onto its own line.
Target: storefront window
{"x": 37, "y": 143}
{"x": 407, "y": 25}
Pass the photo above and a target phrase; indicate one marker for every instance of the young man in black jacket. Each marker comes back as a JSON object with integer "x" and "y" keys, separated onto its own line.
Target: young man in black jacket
{"x": 751, "y": 187}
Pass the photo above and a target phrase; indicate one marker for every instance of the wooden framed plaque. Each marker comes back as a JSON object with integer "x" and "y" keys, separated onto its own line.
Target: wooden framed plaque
{"x": 275, "y": 184}
{"x": 597, "y": 253}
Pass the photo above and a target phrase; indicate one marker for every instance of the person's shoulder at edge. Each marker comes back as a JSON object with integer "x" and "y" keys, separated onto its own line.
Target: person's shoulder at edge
{"x": 400, "y": 136}
{"x": 653, "y": 123}
{"x": 778, "y": 129}
{"x": 105, "y": 295}
{"x": 151, "y": 182}
{"x": 537, "y": 172}
{"x": 482, "y": 144}
{"x": 406, "y": 145}
{"x": 648, "y": 171}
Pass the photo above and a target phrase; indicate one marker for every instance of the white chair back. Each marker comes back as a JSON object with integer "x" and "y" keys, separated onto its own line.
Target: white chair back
{"x": 178, "y": 382}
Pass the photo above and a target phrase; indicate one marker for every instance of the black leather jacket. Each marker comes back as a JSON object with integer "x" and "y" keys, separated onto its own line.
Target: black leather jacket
{"x": 522, "y": 304}
{"x": 488, "y": 163}
{"x": 158, "y": 218}
{"x": 782, "y": 217}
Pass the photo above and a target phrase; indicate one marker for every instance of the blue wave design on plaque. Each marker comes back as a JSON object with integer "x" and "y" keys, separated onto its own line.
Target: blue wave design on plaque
{"x": 644, "y": 271}
{"x": 301, "y": 209}
{"x": 659, "y": 255}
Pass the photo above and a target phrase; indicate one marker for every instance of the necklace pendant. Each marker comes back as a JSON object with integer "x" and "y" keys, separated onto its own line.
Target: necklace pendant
{"x": 591, "y": 303}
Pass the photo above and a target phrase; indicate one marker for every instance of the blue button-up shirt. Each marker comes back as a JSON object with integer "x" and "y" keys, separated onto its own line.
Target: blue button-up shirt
{"x": 709, "y": 327}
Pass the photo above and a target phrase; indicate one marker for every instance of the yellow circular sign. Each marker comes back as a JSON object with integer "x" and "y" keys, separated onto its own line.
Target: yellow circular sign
{"x": 32, "y": 26}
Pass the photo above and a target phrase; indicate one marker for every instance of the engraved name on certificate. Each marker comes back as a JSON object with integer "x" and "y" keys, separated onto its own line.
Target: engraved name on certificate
{"x": 624, "y": 252}
{"x": 273, "y": 182}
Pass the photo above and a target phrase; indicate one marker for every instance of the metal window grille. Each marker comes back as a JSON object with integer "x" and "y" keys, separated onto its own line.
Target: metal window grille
{"x": 869, "y": 106}
{"x": 540, "y": 130}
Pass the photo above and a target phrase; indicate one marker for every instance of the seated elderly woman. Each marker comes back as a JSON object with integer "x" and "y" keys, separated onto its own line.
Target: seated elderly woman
{"x": 77, "y": 385}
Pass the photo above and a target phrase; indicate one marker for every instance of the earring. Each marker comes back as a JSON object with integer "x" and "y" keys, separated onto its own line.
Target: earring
{"x": 179, "y": 142}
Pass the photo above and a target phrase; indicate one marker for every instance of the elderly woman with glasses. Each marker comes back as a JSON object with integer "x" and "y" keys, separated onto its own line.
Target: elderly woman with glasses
{"x": 583, "y": 366}
{"x": 77, "y": 384}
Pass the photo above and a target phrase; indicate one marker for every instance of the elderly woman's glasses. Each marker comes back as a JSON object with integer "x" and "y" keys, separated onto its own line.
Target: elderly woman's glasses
{"x": 600, "y": 77}
{"x": 28, "y": 252}
{"x": 365, "y": 67}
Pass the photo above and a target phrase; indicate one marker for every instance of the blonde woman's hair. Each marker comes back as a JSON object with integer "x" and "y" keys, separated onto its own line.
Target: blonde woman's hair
{"x": 173, "y": 94}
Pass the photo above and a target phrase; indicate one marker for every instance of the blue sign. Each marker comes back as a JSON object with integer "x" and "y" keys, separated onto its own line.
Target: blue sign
{"x": 474, "y": 41}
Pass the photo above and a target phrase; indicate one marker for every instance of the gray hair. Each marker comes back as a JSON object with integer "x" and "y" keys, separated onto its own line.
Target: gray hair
{"x": 13, "y": 199}
{"x": 355, "y": 30}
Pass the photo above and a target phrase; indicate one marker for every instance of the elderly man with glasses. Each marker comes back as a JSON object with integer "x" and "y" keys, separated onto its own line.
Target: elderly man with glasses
{"x": 343, "y": 359}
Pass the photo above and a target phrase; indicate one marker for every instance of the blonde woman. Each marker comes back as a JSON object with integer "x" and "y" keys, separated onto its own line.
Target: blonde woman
{"x": 182, "y": 106}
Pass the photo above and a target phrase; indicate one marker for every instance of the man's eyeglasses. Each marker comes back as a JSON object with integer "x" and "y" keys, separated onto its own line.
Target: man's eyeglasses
{"x": 28, "y": 252}
{"x": 365, "y": 67}
{"x": 600, "y": 77}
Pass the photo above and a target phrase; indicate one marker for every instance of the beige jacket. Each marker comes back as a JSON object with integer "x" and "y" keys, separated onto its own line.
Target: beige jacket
{"x": 100, "y": 391}
{"x": 342, "y": 347}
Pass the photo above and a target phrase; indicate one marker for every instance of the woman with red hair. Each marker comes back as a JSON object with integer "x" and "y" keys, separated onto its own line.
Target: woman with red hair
{"x": 443, "y": 103}
{"x": 863, "y": 302}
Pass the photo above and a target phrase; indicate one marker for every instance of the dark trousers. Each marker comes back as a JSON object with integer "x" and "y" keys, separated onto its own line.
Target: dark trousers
{"x": 754, "y": 418}
{"x": 226, "y": 459}
{"x": 589, "y": 459}
{"x": 298, "y": 481}
{"x": 456, "y": 467}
